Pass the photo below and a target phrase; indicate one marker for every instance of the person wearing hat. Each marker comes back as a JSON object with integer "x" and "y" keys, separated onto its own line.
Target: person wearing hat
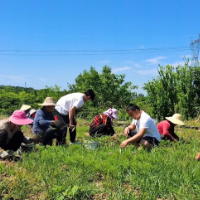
{"x": 26, "y": 109}
{"x": 11, "y": 135}
{"x": 166, "y": 127}
{"x": 66, "y": 111}
{"x": 102, "y": 124}
{"x": 147, "y": 133}
{"x": 44, "y": 125}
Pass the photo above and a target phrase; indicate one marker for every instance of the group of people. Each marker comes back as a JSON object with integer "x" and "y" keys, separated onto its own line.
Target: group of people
{"x": 45, "y": 126}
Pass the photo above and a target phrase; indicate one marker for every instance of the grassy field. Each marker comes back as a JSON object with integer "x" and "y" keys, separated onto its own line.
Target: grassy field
{"x": 73, "y": 172}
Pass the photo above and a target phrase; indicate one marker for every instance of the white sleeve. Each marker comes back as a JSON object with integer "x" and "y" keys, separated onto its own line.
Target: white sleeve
{"x": 78, "y": 103}
{"x": 144, "y": 123}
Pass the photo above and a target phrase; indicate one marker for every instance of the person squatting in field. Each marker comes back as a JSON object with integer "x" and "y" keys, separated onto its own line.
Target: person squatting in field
{"x": 166, "y": 127}
{"x": 30, "y": 113}
{"x": 45, "y": 127}
{"x": 11, "y": 135}
{"x": 102, "y": 124}
{"x": 66, "y": 111}
{"x": 147, "y": 133}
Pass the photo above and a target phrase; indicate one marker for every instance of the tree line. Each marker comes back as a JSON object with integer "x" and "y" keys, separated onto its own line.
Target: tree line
{"x": 175, "y": 89}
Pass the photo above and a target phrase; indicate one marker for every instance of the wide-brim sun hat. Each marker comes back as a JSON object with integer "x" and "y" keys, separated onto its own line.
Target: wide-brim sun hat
{"x": 112, "y": 112}
{"x": 49, "y": 101}
{"x": 25, "y": 107}
{"x": 175, "y": 119}
{"x": 32, "y": 111}
{"x": 19, "y": 118}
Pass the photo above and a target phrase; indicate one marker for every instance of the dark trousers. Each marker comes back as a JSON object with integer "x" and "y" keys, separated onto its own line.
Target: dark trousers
{"x": 13, "y": 143}
{"x": 101, "y": 130}
{"x": 49, "y": 135}
{"x": 65, "y": 118}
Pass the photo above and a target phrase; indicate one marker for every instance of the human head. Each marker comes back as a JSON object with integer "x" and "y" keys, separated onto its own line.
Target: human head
{"x": 134, "y": 111}
{"x": 89, "y": 95}
{"x": 19, "y": 118}
{"x": 48, "y": 104}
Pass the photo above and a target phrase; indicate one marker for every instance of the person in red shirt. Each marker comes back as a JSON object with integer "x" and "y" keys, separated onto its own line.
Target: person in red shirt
{"x": 166, "y": 127}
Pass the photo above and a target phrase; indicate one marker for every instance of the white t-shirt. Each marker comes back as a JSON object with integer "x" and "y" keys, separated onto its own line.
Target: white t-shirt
{"x": 148, "y": 123}
{"x": 66, "y": 102}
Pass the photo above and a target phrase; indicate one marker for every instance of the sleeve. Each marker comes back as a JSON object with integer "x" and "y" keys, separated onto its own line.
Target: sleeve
{"x": 40, "y": 119}
{"x": 79, "y": 102}
{"x": 166, "y": 133}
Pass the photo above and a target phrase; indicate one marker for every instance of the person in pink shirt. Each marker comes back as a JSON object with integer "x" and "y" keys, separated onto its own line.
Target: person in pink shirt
{"x": 166, "y": 127}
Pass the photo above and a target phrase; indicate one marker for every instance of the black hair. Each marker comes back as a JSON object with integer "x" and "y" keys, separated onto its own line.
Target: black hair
{"x": 90, "y": 93}
{"x": 132, "y": 107}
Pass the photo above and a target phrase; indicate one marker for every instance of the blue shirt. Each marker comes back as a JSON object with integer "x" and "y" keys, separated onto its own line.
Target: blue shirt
{"x": 42, "y": 121}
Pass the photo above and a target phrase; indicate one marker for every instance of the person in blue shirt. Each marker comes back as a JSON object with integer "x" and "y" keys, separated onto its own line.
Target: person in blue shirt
{"x": 45, "y": 126}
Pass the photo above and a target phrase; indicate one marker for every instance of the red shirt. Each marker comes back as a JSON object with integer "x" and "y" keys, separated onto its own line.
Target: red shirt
{"x": 166, "y": 128}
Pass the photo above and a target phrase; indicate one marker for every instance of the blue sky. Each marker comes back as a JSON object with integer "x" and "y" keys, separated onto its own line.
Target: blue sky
{"x": 50, "y": 42}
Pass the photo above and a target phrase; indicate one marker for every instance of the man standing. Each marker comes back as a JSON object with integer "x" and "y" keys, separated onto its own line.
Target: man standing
{"x": 147, "y": 133}
{"x": 66, "y": 111}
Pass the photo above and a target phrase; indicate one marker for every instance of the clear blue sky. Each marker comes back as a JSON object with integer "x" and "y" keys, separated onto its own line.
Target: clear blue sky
{"x": 103, "y": 29}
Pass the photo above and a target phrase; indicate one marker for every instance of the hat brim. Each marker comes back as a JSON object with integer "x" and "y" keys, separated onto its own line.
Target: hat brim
{"x": 21, "y": 122}
{"x": 174, "y": 121}
{"x": 25, "y": 107}
{"x": 116, "y": 117}
{"x": 47, "y": 104}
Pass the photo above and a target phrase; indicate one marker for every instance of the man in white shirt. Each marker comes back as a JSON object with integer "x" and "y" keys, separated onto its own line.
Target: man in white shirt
{"x": 66, "y": 110}
{"x": 147, "y": 133}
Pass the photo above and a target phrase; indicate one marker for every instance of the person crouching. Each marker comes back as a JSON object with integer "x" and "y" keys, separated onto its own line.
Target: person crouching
{"x": 147, "y": 133}
{"x": 44, "y": 125}
{"x": 11, "y": 135}
{"x": 103, "y": 123}
{"x": 166, "y": 127}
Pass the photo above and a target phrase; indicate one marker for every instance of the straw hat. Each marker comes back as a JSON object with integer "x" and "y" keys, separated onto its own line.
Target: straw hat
{"x": 19, "y": 118}
{"x": 49, "y": 101}
{"x": 25, "y": 107}
{"x": 175, "y": 119}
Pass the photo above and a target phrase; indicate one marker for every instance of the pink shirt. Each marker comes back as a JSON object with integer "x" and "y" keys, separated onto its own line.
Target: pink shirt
{"x": 166, "y": 128}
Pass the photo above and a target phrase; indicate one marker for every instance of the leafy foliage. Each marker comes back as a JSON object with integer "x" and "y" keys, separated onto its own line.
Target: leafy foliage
{"x": 175, "y": 90}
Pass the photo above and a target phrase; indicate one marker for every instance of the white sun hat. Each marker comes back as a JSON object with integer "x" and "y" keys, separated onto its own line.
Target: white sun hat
{"x": 175, "y": 119}
{"x": 25, "y": 107}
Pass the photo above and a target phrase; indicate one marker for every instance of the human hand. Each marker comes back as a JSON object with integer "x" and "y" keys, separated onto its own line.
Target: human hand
{"x": 72, "y": 127}
{"x": 124, "y": 144}
{"x": 58, "y": 124}
{"x": 126, "y": 131}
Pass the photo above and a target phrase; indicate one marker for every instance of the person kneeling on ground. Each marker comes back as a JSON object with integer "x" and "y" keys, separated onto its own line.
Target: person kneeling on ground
{"x": 44, "y": 125}
{"x": 11, "y": 135}
{"x": 66, "y": 111}
{"x": 147, "y": 133}
{"x": 166, "y": 127}
{"x": 103, "y": 123}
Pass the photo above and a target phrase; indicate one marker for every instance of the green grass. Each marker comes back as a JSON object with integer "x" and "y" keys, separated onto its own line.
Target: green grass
{"x": 73, "y": 172}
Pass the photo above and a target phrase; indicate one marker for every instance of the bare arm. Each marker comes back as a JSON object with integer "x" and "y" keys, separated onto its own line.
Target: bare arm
{"x": 138, "y": 136}
{"x": 127, "y": 129}
{"x": 72, "y": 114}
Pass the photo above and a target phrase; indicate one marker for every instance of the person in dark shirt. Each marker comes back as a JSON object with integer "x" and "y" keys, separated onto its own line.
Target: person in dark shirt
{"x": 45, "y": 126}
{"x": 102, "y": 124}
{"x": 166, "y": 127}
